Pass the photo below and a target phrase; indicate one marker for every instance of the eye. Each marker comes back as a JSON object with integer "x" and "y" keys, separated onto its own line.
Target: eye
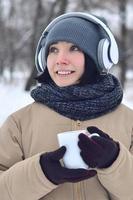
{"x": 74, "y": 48}
{"x": 53, "y": 49}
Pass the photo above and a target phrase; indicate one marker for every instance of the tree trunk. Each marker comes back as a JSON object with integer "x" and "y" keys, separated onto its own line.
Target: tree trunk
{"x": 31, "y": 81}
{"x": 123, "y": 31}
{"x": 62, "y": 7}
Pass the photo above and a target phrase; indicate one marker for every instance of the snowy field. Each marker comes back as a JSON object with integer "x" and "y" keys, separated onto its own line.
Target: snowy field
{"x": 13, "y": 97}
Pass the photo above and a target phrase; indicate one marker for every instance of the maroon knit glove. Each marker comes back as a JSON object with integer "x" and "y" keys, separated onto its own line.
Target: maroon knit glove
{"x": 98, "y": 151}
{"x": 56, "y": 173}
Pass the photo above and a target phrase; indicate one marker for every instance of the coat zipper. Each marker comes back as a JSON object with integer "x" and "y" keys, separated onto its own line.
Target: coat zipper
{"x": 78, "y": 188}
{"x": 79, "y": 193}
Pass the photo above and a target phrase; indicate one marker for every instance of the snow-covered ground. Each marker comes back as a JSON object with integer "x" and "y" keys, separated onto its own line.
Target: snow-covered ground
{"x": 13, "y": 97}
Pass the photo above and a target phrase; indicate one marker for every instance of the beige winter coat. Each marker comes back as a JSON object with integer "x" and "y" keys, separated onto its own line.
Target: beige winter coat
{"x": 33, "y": 130}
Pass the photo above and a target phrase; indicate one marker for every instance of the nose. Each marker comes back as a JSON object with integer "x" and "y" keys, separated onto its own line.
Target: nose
{"x": 62, "y": 59}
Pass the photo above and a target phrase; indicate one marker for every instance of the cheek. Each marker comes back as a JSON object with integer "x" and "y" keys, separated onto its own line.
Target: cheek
{"x": 81, "y": 71}
{"x": 80, "y": 63}
{"x": 50, "y": 63}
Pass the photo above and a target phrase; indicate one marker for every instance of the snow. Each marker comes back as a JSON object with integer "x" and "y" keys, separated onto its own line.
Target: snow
{"x": 13, "y": 96}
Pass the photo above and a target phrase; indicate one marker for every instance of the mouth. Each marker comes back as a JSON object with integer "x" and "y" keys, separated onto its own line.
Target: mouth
{"x": 64, "y": 72}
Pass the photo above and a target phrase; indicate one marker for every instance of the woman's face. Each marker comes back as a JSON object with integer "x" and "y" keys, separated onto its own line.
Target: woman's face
{"x": 65, "y": 63}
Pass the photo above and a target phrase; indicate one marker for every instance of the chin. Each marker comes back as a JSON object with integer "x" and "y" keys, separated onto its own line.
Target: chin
{"x": 64, "y": 84}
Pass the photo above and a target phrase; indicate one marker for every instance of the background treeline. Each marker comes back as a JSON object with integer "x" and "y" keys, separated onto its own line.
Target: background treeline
{"x": 22, "y": 22}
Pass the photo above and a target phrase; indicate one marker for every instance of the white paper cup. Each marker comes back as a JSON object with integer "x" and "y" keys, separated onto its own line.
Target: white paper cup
{"x": 72, "y": 158}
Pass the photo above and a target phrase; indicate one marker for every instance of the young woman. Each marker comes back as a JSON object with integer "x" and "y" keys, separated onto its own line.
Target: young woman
{"x": 73, "y": 94}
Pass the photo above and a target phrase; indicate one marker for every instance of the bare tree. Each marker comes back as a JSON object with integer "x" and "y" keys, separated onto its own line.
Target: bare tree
{"x": 31, "y": 81}
{"x": 123, "y": 40}
{"x": 1, "y": 41}
{"x": 61, "y": 5}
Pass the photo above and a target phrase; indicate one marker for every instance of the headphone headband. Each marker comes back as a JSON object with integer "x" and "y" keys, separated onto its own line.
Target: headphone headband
{"x": 113, "y": 54}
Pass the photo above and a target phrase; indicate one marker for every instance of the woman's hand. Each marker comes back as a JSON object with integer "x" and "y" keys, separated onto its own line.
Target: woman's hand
{"x": 56, "y": 173}
{"x": 98, "y": 151}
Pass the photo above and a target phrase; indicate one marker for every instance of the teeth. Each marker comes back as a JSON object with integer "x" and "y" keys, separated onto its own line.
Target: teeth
{"x": 64, "y": 72}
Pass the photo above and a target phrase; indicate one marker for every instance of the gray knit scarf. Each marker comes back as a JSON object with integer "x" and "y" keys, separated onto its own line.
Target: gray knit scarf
{"x": 81, "y": 102}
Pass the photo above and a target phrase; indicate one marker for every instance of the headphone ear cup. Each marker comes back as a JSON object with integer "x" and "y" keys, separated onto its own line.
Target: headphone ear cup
{"x": 39, "y": 61}
{"x": 40, "y": 52}
{"x": 41, "y": 64}
{"x": 103, "y": 55}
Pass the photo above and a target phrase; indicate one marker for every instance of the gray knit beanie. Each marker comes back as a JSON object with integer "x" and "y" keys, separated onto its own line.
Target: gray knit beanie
{"x": 83, "y": 33}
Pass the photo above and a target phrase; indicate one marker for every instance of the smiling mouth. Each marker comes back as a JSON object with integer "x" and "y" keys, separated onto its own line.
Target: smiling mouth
{"x": 64, "y": 72}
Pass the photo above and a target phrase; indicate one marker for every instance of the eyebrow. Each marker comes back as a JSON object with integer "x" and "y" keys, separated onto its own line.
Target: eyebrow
{"x": 54, "y": 43}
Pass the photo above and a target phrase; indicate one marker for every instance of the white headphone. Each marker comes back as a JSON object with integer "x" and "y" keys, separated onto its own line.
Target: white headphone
{"x": 107, "y": 52}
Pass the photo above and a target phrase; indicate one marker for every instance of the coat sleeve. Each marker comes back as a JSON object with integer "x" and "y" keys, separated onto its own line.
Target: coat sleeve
{"x": 118, "y": 178}
{"x": 19, "y": 178}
